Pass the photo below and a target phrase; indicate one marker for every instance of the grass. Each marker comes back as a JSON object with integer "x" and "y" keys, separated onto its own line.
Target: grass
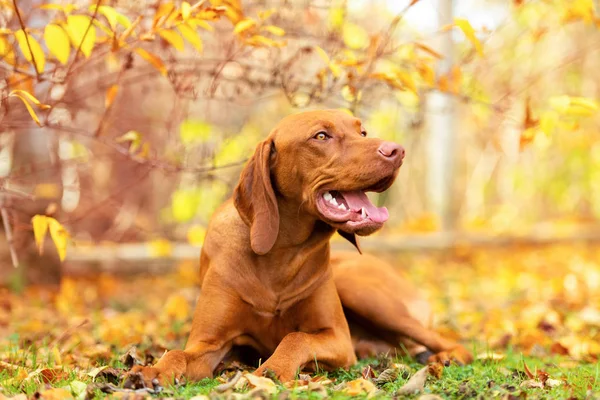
{"x": 482, "y": 379}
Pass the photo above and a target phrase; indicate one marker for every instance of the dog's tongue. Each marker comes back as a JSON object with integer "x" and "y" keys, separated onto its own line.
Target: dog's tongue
{"x": 358, "y": 199}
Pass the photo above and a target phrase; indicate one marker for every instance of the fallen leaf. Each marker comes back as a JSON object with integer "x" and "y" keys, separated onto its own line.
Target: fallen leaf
{"x": 260, "y": 382}
{"x": 415, "y": 384}
{"x": 490, "y": 356}
{"x": 359, "y": 386}
{"x": 532, "y": 384}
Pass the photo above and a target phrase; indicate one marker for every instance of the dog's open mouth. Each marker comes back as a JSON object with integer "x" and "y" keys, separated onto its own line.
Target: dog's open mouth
{"x": 351, "y": 207}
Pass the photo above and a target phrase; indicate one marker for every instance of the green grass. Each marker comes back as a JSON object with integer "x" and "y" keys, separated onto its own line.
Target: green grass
{"x": 482, "y": 379}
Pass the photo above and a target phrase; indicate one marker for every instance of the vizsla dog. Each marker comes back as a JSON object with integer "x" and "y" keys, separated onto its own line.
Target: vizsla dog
{"x": 268, "y": 280}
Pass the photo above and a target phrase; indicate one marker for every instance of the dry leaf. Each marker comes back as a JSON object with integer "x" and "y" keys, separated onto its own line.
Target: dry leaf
{"x": 261, "y": 382}
{"x": 359, "y": 386}
{"x": 490, "y": 356}
{"x": 416, "y": 383}
{"x": 532, "y": 384}
{"x": 152, "y": 59}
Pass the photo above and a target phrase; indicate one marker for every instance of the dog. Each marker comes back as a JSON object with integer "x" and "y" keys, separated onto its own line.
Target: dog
{"x": 268, "y": 280}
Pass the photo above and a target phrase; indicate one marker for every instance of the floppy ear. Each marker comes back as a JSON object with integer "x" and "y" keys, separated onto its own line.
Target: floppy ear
{"x": 255, "y": 200}
{"x": 352, "y": 238}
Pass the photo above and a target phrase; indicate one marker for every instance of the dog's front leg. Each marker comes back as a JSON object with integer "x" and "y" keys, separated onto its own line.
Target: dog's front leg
{"x": 194, "y": 363}
{"x": 214, "y": 328}
{"x": 329, "y": 348}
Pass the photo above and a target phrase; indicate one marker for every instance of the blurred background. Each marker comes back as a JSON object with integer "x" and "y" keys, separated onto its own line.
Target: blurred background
{"x": 494, "y": 101}
{"x": 124, "y": 124}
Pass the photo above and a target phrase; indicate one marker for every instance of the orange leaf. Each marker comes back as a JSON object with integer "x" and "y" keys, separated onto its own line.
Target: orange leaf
{"x": 111, "y": 93}
{"x": 152, "y": 59}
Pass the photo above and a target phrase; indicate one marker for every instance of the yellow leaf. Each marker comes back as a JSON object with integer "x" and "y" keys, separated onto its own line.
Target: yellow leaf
{"x": 335, "y": 68}
{"x": 67, "y": 8}
{"x": 190, "y": 35}
{"x": 47, "y": 191}
{"x": 59, "y": 236}
{"x": 185, "y": 10}
{"x": 31, "y": 49}
{"x": 469, "y": 32}
{"x": 349, "y": 93}
{"x": 130, "y": 28}
{"x": 133, "y": 137}
{"x": 195, "y": 22}
{"x": 112, "y": 16}
{"x": 322, "y": 54}
{"x": 152, "y": 59}
{"x": 123, "y": 20}
{"x": 30, "y": 97}
{"x": 184, "y": 205}
{"x": 173, "y": 38}
{"x": 196, "y": 234}
{"x": 244, "y": 25}
{"x": 111, "y": 93}
{"x": 40, "y": 227}
{"x": 336, "y": 18}
{"x": 109, "y": 12}
{"x": 177, "y": 307}
{"x": 6, "y": 51}
{"x": 160, "y": 248}
{"x": 82, "y": 33}
{"x": 57, "y": 42}
{"x": 15, "y": 93}
{"x": 258, "y": 40}
{"x": 579, "y": 106}
{"x": 164, "y": 10}
{"x": 359, "y": 387}
{"x": 407, "y": 81}
{"x": 275, "y": 30}
{"x": 265, "y": 14}
{"x": 103, "y": 28}
{"x": 429, "y": 50}
{"x": 355, "y": 37}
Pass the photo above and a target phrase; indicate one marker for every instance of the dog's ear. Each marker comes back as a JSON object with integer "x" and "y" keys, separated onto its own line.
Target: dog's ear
{"x": 352, "y": 238}
{"x": 254, "y": 198}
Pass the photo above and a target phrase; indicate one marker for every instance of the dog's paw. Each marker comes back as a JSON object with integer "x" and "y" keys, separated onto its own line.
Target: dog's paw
{"x": 146, "y": 377}
{"x": 458, "y": 355}
{"x": 274, "y": 373}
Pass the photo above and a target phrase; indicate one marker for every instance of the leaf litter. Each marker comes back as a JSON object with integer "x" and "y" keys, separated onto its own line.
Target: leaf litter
{"x": 81, "y": 338}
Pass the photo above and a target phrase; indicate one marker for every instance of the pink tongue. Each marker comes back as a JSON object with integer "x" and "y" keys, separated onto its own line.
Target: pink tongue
{"x": 358, "y": 199}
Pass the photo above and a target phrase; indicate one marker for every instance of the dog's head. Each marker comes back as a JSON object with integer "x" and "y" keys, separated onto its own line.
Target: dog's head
{"x": 325, "y": 162}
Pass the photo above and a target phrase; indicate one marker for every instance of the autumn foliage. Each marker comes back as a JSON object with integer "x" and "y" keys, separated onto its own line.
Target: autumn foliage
{"x": 124, "y": 125}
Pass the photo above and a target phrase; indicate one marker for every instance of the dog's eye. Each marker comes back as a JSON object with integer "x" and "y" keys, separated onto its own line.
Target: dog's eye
{"x": 363, "y": 134}
{"x": 321, "y": 136}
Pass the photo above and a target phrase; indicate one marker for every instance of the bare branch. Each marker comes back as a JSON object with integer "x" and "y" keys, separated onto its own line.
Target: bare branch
{"x": 22, "y": 24}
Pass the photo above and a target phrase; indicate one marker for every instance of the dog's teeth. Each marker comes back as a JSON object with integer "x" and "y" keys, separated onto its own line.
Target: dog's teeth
{"x": 342, "y": 207}
{"x": 327, "y": 196}
{"x": 363, "y": 213}
{"x": 333, "y": 201}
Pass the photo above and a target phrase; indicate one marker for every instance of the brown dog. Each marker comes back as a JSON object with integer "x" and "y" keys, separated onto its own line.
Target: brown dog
{"x": 267, "y": 278}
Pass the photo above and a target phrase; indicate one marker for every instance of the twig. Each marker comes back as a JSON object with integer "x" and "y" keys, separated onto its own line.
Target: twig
{"x": 37, "y": 73}
{"x": 9, "y": 236}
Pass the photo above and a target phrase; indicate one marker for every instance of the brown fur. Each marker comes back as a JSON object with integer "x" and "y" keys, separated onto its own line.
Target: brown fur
{"x": 267, "y": 278}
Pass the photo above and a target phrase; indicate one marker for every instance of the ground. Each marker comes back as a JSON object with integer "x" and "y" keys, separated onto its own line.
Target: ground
{"x": 530, "y": 314}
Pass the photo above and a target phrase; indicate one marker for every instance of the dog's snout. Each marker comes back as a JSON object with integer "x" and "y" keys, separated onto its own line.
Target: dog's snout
{"x": 391, "y": 151}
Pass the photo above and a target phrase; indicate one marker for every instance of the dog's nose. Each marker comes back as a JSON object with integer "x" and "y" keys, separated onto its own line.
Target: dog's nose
{"x": 391, "y": 151}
